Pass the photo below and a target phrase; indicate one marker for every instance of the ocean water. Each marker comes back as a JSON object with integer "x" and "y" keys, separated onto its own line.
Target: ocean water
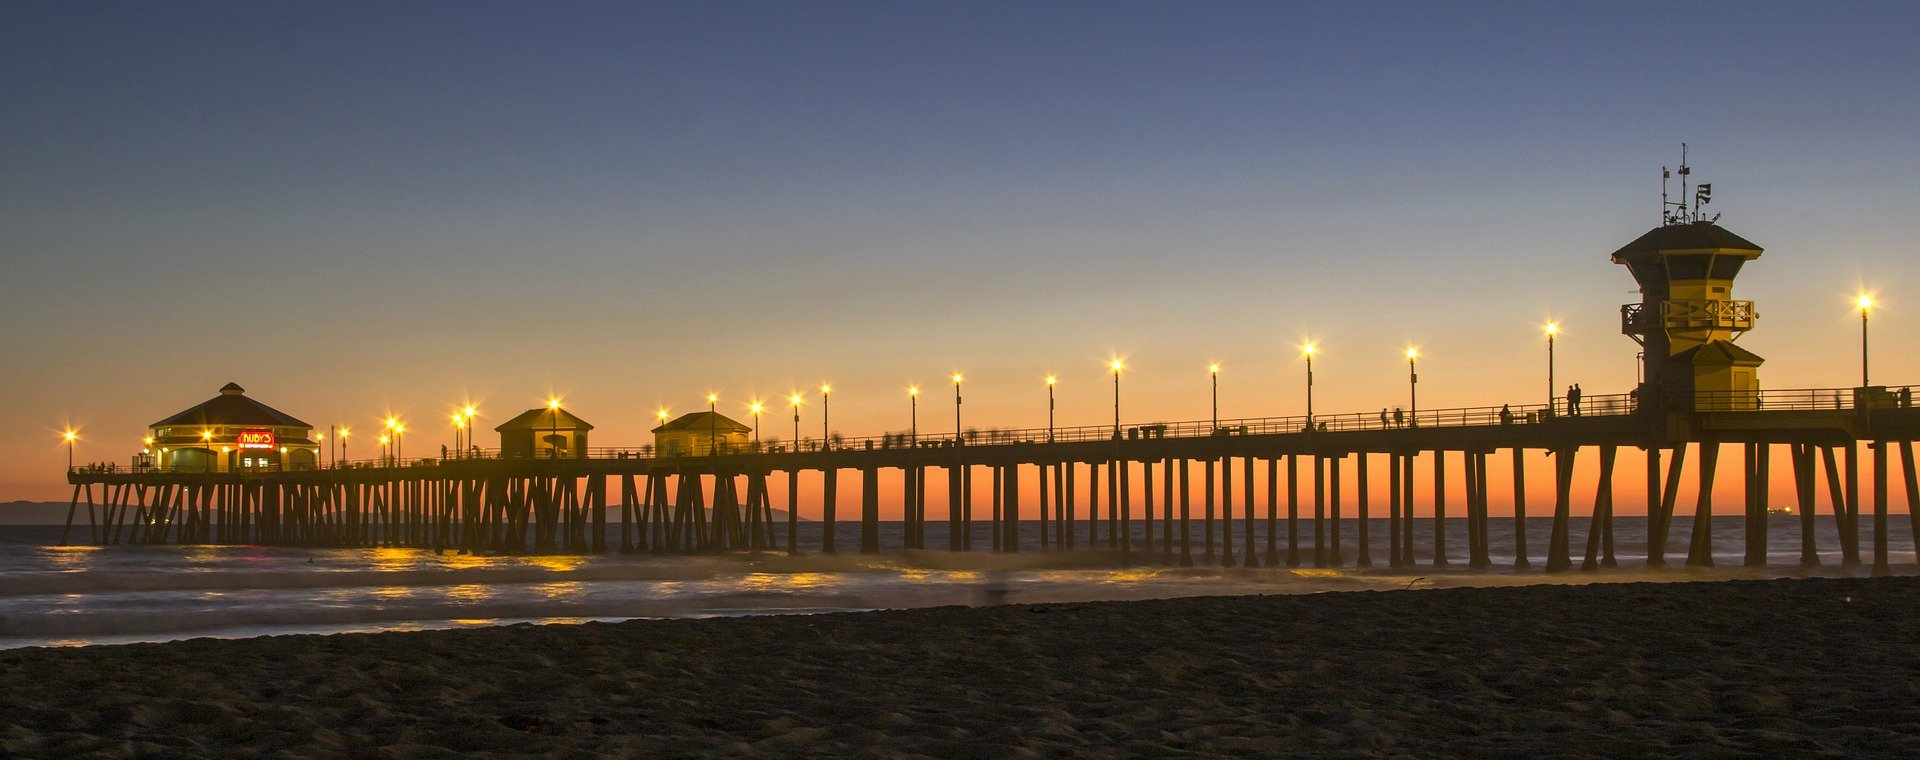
{"x": 73, "y": 595}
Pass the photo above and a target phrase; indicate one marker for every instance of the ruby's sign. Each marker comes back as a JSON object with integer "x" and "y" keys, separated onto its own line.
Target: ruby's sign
{"x": 256, "y": 439}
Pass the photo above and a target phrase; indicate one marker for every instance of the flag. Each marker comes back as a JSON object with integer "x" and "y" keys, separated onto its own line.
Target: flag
{"x": 1703, "y": 194}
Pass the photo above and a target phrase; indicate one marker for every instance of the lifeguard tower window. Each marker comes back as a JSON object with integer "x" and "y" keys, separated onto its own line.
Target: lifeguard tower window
{"x": 1688, "y": 267}
{"x": 1727, "y": 267}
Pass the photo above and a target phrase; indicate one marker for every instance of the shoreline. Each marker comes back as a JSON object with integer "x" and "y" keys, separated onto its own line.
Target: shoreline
{"x": 1727, "y": 668}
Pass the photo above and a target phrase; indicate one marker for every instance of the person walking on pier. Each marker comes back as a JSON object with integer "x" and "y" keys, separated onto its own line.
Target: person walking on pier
{"x": 1573, "y": 399}
{"x": 1506, "y": 414}
{"x": 1399, "y": 417}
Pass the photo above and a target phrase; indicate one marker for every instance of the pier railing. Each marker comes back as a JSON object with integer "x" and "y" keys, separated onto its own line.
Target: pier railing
{"x": 1794, "y": 399}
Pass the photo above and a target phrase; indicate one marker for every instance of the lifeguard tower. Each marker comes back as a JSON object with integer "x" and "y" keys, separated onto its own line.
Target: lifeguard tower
{"x": 1687, "y": 319}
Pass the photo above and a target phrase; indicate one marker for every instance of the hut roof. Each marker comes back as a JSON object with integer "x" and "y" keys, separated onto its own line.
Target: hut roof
{"x": 232, "y": 407}
{"x": 1721, "y": 352}
{"x": 701, "y": 422}
{"x": 544, "y": 418}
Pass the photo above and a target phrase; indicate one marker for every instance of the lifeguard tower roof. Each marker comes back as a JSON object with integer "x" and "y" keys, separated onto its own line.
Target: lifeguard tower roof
{"x": 1692, "y": 236}
{"x": 232, "y": 407}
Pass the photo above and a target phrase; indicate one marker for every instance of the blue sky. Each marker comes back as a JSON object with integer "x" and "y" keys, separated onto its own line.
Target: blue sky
{"x": 356, "y": 208}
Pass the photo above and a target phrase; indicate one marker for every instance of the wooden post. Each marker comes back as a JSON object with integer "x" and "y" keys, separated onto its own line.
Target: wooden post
{"x": 1319, "y": 511}
{"x": 1226, "y": 512}
{"x": 1186, "y": 515}
{"x": 1334, "y": 556}
{"x": 996, "y": 530}
{"x": 909, "y": 482}
{"x": 1880, "y": 517}
{"x": 1125, "y": 493}
{"x": 1558, "y": 557}
{"x": 1406, "y": 510}
{"x": 1439, "y": 508}
{"x": 1837, "y": 499}
{"x": 1068, "y": 506}
{"x": 1093, "y": 505}
{"x": 1206, "y": 557}
{"x": 1476, "y": 559}
{"x": 1113, "y": 503}
{"x": 1852, "y": 543}
{"x": 829, "y": 508}
{"x": 1293, "y": 510}
{"x": 1146, "y": 508}
{"x": 1602, "y": 501}
{"x": 956, "y": 505}
{"x": 1754, "y": 525}
{"x": 869, "y": 510}
{"x": 793, "y": 510}
{"x": 1393, "y": 510}
{"x": 1273, "y": 512}
{"x": 1045, "y": 518}
{"x": 1913, "y": 496}
{"x": 1520, "y": 507}
{"x": 1700, "y": 550}
{"x": 1365, "y": 556}
{"x": 1010, "y": 509}
{"x": 1247, "y": 478}
{"x": 597, "y": 496}
{"x": 1804, "y": 499}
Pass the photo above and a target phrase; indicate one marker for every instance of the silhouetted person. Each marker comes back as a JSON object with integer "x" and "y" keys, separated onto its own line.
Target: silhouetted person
{"x": 1383, "y": 416}
{"x": 1906, "y": 397}
{"x": 1399, "y": 417}
{"x": 1506, "y": 414}
{"x": 1573, "y": 399}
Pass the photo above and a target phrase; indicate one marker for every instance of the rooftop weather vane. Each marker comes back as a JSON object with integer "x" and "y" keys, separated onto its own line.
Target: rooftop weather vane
{"x": 1677, "y": 212}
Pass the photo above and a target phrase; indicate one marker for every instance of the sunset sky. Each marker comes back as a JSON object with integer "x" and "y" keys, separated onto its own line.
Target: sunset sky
{"x": 357, "y": 209}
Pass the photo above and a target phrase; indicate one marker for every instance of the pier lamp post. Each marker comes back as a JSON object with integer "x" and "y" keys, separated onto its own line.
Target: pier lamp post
{"x": 70, "y": 437}
{"x": 399, "y": 443}
{"x": 1307, "y": 352}
{"x": 1213, "y": 371}
{"x": 1050, "y": 381}
{"x": 1553, "y": 330}
{"x": 206, "y": 439}
{"x": 958, "y": 437}
{"x": 342, "y": 454}
{"x": 459, "y": 425}
{"x": 757, "y": 407}
{"x": 148, "y": 450}
{"x": 1413, "y": 387}
{"x": 713, "y": 424}
{"x": 471, "y": 414}
{"x": 386, "y": 448}
{"x": 913, "y": 419}
{"x": 553, "y": 414}
{"x": 793, "y": 400}
{"x": 1116, "y": 366}
{"x": 1866, "y": 304}
{"x": 319, "y": 455}
{"x": 826, "y": 391}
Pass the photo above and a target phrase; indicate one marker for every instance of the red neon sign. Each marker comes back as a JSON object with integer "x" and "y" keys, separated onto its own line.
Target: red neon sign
{"x": 256, "y": 439}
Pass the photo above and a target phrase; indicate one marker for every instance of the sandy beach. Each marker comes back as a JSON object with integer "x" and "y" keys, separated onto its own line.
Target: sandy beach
{"x": 1805, "y": 667}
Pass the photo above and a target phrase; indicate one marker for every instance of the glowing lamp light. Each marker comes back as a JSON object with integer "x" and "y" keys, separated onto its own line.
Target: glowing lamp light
{"x": 713, "y": 398}
{"x": 1116, "y": 366}
{"x": 1865, "y": 301}
{"x": 913, "y": 390}
{"x": 957, "y": 378}
{"x": 1413, "y": 353}
{"x": 1213, "y": 369}
{"x": 756, "y": 408}
{"x": 793, "y": 400}
{"x": 1051, "y": 380}
{"x": 69, "y": 436}
{"x": 553, "y": 403}
{"x": 824, "y": 388}
{"x": 1553, "y": 328}
{"x": 1308, "y": 349}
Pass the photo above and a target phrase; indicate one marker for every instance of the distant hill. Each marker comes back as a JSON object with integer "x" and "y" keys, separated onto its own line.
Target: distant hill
{"x": 55, "y": 513}
{"x": 34, "y": 513}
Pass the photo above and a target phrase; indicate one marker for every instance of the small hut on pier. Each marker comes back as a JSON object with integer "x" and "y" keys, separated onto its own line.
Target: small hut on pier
{"x": 544, "y": 433}
{"x": 700, "y": 434}
{"x": 231, "y": 432}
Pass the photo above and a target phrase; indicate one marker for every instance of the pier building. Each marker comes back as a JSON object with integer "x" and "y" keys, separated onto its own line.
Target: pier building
{"x": 231, "y": 432}
{"x": 547, "y": 432}
{"x": 701, "y": 434}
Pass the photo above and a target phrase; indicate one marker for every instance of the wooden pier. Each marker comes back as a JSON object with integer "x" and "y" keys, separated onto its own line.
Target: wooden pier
{"x": 1244, "y": 477}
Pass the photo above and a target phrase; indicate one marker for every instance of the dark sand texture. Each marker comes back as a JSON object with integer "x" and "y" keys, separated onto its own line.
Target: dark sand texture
{"x": 1792, "y": 668}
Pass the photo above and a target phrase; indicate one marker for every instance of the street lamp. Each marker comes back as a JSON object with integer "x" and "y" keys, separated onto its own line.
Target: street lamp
{"x": 399, "y": 443}
{"x": 825, "y": 392}
{"x": 343, "y": 447}
{"x": 958, "y": 438}
{"x": 1116, "y": 366}
{"x": 1553, "y": 329}
{"x": 913, "y": 424}
{"x": 390, "y": 438}
{"x": 459, "y": 424}
{"x": 1307, "y": 351}
{"x": 713, "y": 424}
{"x": 1866, "y": 304}
{"x": 757, "y": 406}
{"x": 1050, "y": 381}
{"x": 70, "y": 437}
{"x": 793, "y": 400}
{"x": 386, "y": 449}
{"x": 553, "y": 433}
{"x": 1413, "y": 387}
{"x": 471, "y": 413}
{"x": 1213, "y": 370}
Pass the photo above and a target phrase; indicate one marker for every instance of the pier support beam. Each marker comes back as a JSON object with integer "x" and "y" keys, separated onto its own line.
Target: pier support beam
{"x": 1700, "y": 549}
